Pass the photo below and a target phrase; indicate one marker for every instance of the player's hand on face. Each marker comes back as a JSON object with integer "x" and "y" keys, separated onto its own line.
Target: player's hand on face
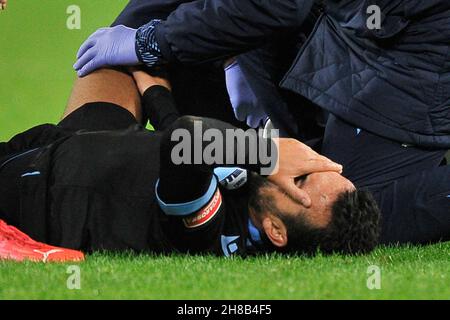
{"x": 144, "y": 80}
{"x": 3, "y": 4}
{"x": 295, "y": 160}
{"x": 107, "y": 47}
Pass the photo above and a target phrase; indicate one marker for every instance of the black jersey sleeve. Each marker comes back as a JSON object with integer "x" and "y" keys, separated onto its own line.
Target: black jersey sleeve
{"x": 189, "y": 192}
{"x": 189, "y": 178}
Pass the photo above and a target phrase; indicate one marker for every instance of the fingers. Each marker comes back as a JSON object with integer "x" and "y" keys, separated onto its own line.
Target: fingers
{"x": 326, "y": 161}
{"x": 88, "y": 44}
{"x": 88, "y": 68}
{"x": 313, "y": 161}
{"x": 240, "y": 113}
{"x": 84, "y": 59}
{"x": 86, "y": 47}
{"x": 254, "y": 121}
{"x": 86, "y": 63}
{"x": 321, "y": 157}
{"x": 320, "y": 165}
{"x": 295, "y": 192}
{"x": 91, "y": 41}
{"x": 86, "y": 56}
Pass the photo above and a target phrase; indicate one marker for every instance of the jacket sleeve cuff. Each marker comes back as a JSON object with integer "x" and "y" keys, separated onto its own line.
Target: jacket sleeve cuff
{"x": 147, "y": 47}
{"x": 164, "y": 45}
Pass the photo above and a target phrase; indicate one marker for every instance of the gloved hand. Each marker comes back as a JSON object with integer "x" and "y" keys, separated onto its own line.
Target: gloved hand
{"x": 107, "y": 47}
{"x": 245, "y": 104}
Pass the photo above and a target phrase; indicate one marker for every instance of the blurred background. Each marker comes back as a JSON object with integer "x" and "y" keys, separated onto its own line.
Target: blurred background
{"x": 37, "y": 51}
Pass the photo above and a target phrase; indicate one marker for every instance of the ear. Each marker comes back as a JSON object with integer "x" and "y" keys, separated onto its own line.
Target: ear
{"x": 275, "y": 231}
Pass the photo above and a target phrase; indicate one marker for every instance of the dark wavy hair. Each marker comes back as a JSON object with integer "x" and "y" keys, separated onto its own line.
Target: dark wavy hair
{"x": 353, "y": 229}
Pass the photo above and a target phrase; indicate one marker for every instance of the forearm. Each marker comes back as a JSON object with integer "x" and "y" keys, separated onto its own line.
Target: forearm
{"x": 159, "y": 107}
{"x": 211, "y": 30}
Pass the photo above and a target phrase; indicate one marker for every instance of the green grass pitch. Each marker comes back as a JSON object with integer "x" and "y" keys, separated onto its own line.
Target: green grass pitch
{"x": 406, "y": 273}
{"x": 36, "y": 54}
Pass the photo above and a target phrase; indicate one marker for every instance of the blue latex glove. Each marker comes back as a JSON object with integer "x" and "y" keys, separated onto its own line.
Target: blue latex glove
{"x": 107, "y": 47}
{"x": 245, "y": 104}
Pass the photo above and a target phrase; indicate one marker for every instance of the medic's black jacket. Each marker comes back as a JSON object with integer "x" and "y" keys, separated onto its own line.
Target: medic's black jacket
{"x": 204, "y": 30}
{"x": 394, "y": 82}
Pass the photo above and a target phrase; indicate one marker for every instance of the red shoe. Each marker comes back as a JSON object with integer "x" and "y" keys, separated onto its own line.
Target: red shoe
{"x": 17, "y": 246}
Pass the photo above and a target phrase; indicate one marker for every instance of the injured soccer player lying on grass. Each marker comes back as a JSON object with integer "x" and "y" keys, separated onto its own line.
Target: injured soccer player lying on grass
{"x": 89, "y": 184}
{"x": 100, "y": 181}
